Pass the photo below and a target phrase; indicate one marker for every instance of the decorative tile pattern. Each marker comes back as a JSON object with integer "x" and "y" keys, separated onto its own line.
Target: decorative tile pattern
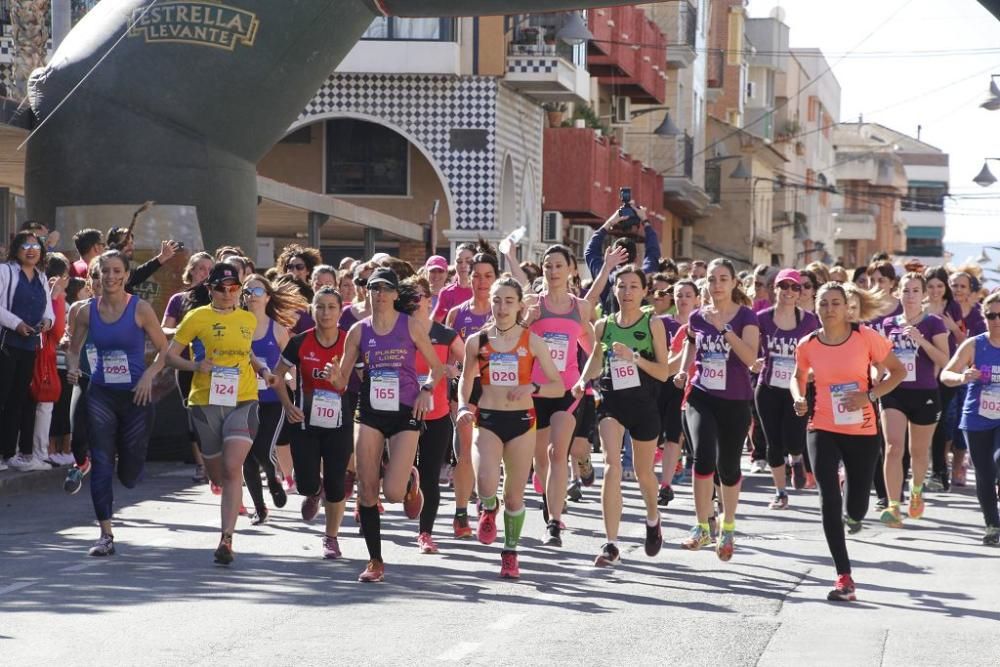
{"x": 532, "y": 65}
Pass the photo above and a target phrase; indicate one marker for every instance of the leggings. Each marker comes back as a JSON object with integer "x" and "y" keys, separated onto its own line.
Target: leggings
{"x": 942, "y": 434}
{"x": 261, "y": 456}
{"x": 326, "y": 449}
{"x": 79, "y": 424}
{"x": 984, "y": 449}
{"x": 433, "y": 445}
{"x": 759, "y": 444}
{"x": 16, "y": 367}
{"x": 718, "y": 427}
{"x": 117, "y": 425}
{"x": 860, "y": 455}
{"x": 784, "y": 431}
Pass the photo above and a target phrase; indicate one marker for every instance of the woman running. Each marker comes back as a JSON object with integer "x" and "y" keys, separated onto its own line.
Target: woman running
{"x": 461, "y": 290}
{"x": 563, "y": 322}
{"x": 976, "y": 365}
{"x": 502, "y": 356}
{"x": 885, "y": 281}
{"x": 941, "y": 302}
{"x": 79, "y": 441}
{"x": 781, "y": 328}
{"x": 223, "y": 398}
{"x": 631, "y": 361}
{"x": 920, "y": 341}
{"x": 322, "y": 433}
{"x": 842, "y": 430}
{"x": 392, "y": 407}
{"x": 965, "y": 286}
{"x": 119, "y": 394}
{"x": 468, "y": 319}
{"x": 276, "y": 311}
{"x": 723, "y": 338}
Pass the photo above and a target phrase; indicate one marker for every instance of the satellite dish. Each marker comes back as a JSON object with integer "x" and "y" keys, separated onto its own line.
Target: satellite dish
{"x": 778, "y": 13}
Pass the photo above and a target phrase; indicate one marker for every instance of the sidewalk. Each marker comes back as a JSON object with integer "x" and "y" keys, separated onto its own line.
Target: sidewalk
{"x": 14, "y": 482}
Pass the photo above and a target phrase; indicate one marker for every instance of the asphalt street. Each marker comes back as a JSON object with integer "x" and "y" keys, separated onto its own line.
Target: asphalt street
{"x": 929, "y": 594}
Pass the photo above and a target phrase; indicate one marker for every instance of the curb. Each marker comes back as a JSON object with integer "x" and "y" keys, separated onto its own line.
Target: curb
{"x": 13, "y": 482}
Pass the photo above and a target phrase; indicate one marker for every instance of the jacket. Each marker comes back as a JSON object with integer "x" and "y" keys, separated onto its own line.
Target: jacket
{"x": 10, "y": 274}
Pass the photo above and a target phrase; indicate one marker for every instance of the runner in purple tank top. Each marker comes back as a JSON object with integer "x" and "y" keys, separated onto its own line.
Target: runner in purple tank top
{"x": 392, "y": 406}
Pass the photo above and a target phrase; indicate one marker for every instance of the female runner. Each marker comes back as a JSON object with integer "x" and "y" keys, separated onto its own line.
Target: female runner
{"x": 840, "y": 355}
{"x": 631, "y": 360}
{"x": 941, "y": 302}
{"x": 119, "y": 394}
{"x": 502, "y": 356}
{"x": 965, "y": 286}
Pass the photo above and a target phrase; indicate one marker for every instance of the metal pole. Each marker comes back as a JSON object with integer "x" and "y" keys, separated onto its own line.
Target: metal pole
{"x": 316, "y": 222}
{"x": 62, "y": 19}
{"x": 371, "y": 236}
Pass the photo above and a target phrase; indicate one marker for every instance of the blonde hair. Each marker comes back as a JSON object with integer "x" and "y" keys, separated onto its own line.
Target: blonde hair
{"x": 870, "y": 304}
{"x": 820, "y": 270}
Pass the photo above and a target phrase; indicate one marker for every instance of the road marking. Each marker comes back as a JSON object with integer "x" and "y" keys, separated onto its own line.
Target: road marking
{"x": 458, "y": 651}
{"x": 507, "y": 622}
{"x": 16, "y": 587}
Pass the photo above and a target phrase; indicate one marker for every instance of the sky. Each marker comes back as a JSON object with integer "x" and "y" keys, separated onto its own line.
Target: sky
{"x": 904, "y": 63}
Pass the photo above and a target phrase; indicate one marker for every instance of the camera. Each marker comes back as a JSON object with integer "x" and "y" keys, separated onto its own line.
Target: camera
{"x": 632, "y": 220}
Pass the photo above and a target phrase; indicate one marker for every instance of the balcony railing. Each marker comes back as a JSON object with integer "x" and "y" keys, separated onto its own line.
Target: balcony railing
{"x": 682, "y": 34}
{"x": 683, "y": 157}
{"x": 546, "y": 72}
{"x": 632, "y": 61}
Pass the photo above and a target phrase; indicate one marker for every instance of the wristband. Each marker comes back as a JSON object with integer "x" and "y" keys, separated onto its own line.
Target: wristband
{"x": 871, "y": 396}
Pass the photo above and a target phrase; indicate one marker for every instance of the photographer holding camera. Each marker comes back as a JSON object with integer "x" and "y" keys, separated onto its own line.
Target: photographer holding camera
{"x": 625, "y": 223}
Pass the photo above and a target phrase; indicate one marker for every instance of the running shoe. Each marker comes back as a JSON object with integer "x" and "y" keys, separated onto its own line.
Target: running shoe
{"x": 224, "y": 552}
{"x": 290, "y": 487}
{"x": 654, "y": 538}
{"x": 243, "y": 510}
{"x": 881, "y": 504}
{"x": 278, "y": 494}
{"x": 574, "y": 491}
{"x": 260, "y": 517}
{"x": 664, "y": 496}
{"x": 757, "y": 465}
{"x": 991, "y": 537}
{"x": 28, "y": 463}
{"x": 461, "y": 526}
{"x": 199, "y": 476}
{"x": 310, "y": 507}
{"x": 74, "y": 477}
{"x": 628, "y": 475}
{"x": 426, "y": 544}
{"x": 916, "y": 508}
{"x": 331, "y": 548}
{"x": 350, "y": 477}
{"x": 780, "y": 501}
{"x": 374, "y": 572}
{"x": 810, "y": 481}
{"x": 697, "y": 538}
{"x": 658, "y": 456}
{"x": 891, "y": 518}
{"x": 609, "y": 556}
{"x": 843, "y": 590}
{"x": 725, "y": 545}
{"x": 799, "y": 474}
{"x": 487, "y": 528}
{"x": 536, "y": 481}
{"x": 958, "y": 477}
{"x": 413, "y": 501}
{"x": 508, "y": 565}
{"x": 586, "y": 470}
{"x": 104, "y": 546}
{"x": 215, "y": 488}
{"x": 853, "y": 527}
{"x": 945, "y": 477}
{"x": 3, "y": 464}
{"x": 553, "y": 538}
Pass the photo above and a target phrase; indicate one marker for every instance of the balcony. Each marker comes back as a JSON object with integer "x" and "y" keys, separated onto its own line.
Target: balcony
{"x": 631, "y": 58}
{"x": 855, "y": 224}
{"x": 546, "y": 73}
{"x": 682, "y": 34}
{"x": 683, "y": 195}
{"x": 583, "y": 172}
{"x": 715, "y": 74}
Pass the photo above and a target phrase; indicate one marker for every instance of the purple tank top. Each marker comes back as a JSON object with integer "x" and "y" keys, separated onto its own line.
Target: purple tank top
{"x": 919, "y": 367}
{"x": 718, "y": 370}
{"x": 266, "y": 350}
{"x": 121, "y": 348}
{"x": 467, "y": 322}
{"x": 389, "y": 359}
{"x": 778, "y": 345}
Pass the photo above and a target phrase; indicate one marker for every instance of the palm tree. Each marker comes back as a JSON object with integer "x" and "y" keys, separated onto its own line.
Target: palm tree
{"x": 29, "y": 22}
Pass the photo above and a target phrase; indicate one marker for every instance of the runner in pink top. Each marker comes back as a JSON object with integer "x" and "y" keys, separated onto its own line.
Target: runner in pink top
{"x": 460, "y": 290}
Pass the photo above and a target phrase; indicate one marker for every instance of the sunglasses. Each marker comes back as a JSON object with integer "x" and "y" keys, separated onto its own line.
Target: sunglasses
{"x": 661, "y": 293}
{"x": 808, "y": 286}
{"x": 992, "y": 316}
{"x": 31, "y": 246}
{"x": 381, "y": 287}
{"x": 255, "y": 291}
{"x": 792, "y": 286}
{"x": 227, "y": 288}
{"x": 297, "y": 266}
{"x": 360, "y": 282}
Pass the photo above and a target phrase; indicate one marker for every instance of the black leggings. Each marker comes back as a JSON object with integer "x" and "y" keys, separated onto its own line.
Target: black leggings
{"x": 79, "y": 423}
{"x": 261, "y": 454}
{"x": 984, "y": 449}
{"x": 784, "y": 431}
{"x": 718, "y": 427}
{"x": 329, "y": 448}
{"x": 860, "y": 454}
{"x": 16, "y": 368}
{"x": 942, "y": 433}
{"x": 434, "y": 443}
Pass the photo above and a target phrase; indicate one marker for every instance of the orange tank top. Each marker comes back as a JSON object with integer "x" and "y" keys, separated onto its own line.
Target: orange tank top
{"x": 506, "y": 369}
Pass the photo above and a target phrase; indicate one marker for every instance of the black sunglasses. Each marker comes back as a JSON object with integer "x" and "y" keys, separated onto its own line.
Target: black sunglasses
{"x": 992, "y": 316}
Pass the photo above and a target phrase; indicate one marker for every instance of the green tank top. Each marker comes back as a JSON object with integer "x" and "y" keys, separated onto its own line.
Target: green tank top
{"x": 637, "y": 337}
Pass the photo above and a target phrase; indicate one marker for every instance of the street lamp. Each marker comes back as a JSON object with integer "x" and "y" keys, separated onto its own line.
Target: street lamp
{"x": 574, "y": 30}
{"x": 992, "y": 103}
{"x": 985, "y": 177}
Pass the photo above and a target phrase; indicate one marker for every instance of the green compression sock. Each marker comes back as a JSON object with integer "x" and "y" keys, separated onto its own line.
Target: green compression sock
{"x": 703, "y": 526}
{"x": 490, "y": 503}
{"x": 513, "y": 522}
{"x": 729, "y": 526}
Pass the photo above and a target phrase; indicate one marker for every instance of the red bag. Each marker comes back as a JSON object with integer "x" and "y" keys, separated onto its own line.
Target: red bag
{"x": 46, "y": 386}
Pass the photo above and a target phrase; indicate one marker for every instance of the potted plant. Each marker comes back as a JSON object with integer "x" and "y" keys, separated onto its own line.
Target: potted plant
{"x": 555, "y": 110}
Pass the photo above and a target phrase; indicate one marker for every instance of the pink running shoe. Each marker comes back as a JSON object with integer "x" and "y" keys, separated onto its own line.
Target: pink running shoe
{"x": 331, "y": 548}
{"x": 508, "y": 565}
{"x": 413, "y": 501}
{"x": 426, "y": 544}
{"x": 486, "y": 530}
{"x": 310, "y": 507}
{"x": 536, "y": 481}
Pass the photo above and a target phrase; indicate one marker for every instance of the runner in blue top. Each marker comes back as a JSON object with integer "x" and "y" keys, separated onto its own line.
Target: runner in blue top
{"x": 966, "y": 287}
{"x": 723, "y": 339}
{"x": 119, "y": 405}
{"x": 781, "y": 328}
{"x": 976, "y": 365}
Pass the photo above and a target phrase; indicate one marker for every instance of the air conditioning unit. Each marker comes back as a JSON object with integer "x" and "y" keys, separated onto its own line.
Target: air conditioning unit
{"x": 552, "y": 227}
{"x": 621, "y": 110}
{"x": 751, "y": 90}
{"x": 579, "y": 235}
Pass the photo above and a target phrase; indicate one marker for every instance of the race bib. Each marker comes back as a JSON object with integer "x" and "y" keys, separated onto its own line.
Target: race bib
{"x": 989, "y": 402}
{"x": 841, "y": 415}
{"x": 225, "y": 386}
{"x": 624, "y": 374}
{"x": 384, "y": 392}
{"x": 503, "y": 369}
{"x": 782, "y": 371}
{"x": 713, "y": 371}
{"x": 114, "y": 364}
{"x": 909, "y": 361}
{"x": 558, "y": 344}
{"x": 326, "y": 409}
{"x": 422, "y": 380}
{"x": 91, "y": 350}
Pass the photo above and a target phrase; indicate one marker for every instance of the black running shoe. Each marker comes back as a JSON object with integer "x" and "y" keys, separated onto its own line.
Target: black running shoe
{"x": 609, "y": 556}
{"x": 992, "y": 536}
{"x": 882, "y": 504}
{"x": 664, "y": 496}
{"x": 654, "y": 539}
{"x": 545, "y": 509}
{"x": 799, "y": 475}
{"x": 224, "y": 552}
{"x": 553, "y": 538}
{"x": 278, "y": 494}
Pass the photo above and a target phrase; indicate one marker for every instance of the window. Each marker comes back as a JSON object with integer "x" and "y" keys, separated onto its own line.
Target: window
{"x": 421, "y": 30}
{"x": 363, "y": 158}
{"x": 925, "y": 198}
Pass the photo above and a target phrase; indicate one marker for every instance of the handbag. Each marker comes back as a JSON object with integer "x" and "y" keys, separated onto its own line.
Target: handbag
{"x": 46, "y": 385}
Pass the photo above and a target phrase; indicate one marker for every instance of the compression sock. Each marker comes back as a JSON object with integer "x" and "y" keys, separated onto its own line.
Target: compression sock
{"x": 371, "y": 526}
{"x": 703, "y": 525}
{"x": 489, "y": 503}
{"x": 513, "y": 522}
{"x": 729, "y": 526}
{"x": 462, "y": 513}
{"x": 917, "y": 489}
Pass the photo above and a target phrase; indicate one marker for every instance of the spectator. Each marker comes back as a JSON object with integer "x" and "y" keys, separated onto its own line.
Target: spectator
{"x": 89, "y": 244}
{"x": 595, "y": 258}
{"x": 49, "y": 239}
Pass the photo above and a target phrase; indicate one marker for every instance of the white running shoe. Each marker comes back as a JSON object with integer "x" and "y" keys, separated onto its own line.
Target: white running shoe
{"x": 758, "y": 466}
{"x": 32, "y": 464}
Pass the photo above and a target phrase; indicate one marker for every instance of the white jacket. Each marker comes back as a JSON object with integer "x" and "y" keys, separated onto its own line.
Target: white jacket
{"x": 10, "y": 274}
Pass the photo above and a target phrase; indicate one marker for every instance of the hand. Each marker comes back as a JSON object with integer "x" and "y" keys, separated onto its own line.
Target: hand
{"x": 971, "y": 375}
{"x": 454, "y": 371}
{"x": 73, "y": 376}
{"x": 24, "y": 330}
{"x": 519, "y": 392}
{"x": 579, "y": 389}
{"x": 45, "y": 325}
{"x": 614, "y": 256}
{"x": 204, "y": 366}
{"x": 713, "y": 317}
{"x": 612, "y": 221}
{"x": 422, "y": 405}
{"x": 642, "y": 211}
{"x": 913, "y": 334}
{"x": 143, "y": 392}
{"x": 757, "y": 366}
{"x": 331, "y": 372}
{"x": 856, "y": 400}
{"x": 294, "y": 415}
{"x": 801, "y": 407}
{"x": 272, "y": 380}
{"x": 680, "y": 380}
{"x": 53, "y": 239}
{"x": 622, "y": 352}
{"x": 464, "y": 416}
{"x": 167, "y": 250}
{"x": 949, "y": 323}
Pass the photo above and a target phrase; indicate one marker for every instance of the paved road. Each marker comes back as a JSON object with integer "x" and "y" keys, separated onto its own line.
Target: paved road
{"x": 930, "y": 594}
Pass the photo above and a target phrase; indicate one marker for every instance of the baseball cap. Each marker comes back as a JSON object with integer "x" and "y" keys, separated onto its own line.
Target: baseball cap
{"x": 788, "y": 274}
{"x": 222, "y": 272}
{"x": 436, "y": 262}
{"x": 387, "y": 276}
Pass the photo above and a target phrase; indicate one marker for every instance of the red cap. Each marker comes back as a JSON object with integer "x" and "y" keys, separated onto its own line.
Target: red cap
{"x": 436, "y": 262}
{"x": 788, "y": 274}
